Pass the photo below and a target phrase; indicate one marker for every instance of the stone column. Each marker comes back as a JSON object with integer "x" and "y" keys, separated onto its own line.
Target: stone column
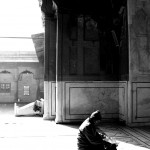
{"x": 139, "y": 62}
{"x": 49, "y": 56}
{"x": 59, "y": 83}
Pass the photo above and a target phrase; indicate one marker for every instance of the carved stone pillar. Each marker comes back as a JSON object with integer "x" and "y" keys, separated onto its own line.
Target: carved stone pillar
{"x": 48, "y": 10}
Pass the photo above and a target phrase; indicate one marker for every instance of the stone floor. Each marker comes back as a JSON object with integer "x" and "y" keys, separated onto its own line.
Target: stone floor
{"x": 27, "y": 133}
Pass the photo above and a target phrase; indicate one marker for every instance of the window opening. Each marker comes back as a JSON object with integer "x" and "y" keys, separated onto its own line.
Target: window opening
{"x": 26, "y": 90}
{"x": 5, "y": 87}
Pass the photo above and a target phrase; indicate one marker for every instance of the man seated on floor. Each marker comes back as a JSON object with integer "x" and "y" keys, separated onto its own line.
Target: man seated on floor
{"x": 89, "y": 138}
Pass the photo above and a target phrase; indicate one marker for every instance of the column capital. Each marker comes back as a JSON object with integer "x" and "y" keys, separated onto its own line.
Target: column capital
{"x": 48, "y": 8}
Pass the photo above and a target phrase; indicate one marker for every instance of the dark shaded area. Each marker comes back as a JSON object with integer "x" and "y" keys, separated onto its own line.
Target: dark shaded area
{"x": 104, "y": 7}
{"x": 110, "y": 19}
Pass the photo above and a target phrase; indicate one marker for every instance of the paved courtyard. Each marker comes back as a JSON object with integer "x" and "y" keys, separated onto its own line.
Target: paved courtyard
{"x": 27, "y": 133}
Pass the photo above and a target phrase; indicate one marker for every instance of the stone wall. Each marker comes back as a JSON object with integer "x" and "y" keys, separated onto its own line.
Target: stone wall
{"x": 87, "y": 72}
{"x": 13, "y": 73}
{"x": 139, "y": 62}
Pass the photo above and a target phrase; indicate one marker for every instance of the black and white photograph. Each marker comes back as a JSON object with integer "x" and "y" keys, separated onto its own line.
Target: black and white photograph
{"x": 74, "y": 74}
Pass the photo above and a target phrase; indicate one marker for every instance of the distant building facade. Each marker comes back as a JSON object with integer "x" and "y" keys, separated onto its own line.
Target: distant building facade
{"x": 21, "y": 77}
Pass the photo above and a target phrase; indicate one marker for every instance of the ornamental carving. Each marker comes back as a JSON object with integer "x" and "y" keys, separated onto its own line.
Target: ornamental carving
{"x": 49, "y": 10}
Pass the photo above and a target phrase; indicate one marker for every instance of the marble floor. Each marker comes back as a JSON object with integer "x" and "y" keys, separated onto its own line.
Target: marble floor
{"x": 132, "y": 137}
{"x": 27, "y": 133}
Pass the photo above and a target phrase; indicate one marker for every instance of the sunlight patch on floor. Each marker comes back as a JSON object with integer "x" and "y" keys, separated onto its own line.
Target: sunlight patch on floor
{"x": 127, "y": 146}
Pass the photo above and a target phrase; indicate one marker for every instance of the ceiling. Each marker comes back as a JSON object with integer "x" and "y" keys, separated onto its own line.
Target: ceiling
{"x": 101, "y": 7}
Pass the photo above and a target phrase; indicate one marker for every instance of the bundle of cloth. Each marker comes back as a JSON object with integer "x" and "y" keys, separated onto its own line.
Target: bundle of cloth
{"x": 39, "y": 105}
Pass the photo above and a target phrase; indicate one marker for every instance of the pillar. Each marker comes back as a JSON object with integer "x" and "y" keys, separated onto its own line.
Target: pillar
{"x": 49, "y": 56}
{"x": 139, "y": 62}
{"x": 59, "y": 83}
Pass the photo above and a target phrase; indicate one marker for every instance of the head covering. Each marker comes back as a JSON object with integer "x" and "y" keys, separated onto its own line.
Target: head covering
{"x": 96, "y": 115}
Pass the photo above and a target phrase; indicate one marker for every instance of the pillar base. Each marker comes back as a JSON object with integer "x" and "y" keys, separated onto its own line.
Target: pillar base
{"x": 58, "y": 119}
{"x": 48, "y": 117}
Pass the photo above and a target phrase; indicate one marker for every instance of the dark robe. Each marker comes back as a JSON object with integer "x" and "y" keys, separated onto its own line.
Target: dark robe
{"x": 88, "y": 137}
{"x": 92, "y": 138}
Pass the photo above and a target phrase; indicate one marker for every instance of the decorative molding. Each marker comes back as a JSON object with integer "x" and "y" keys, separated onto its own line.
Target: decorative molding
{"x": 49, "y": 9}
{"x": 140, "y": 102}
{"x": 25, "y": 72}
{"x": 5, "y": 72}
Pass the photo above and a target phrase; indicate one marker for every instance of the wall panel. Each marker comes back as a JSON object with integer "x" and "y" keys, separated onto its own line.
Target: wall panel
{"x": 141, "y": 102}
{"x": 82, "y": 98}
